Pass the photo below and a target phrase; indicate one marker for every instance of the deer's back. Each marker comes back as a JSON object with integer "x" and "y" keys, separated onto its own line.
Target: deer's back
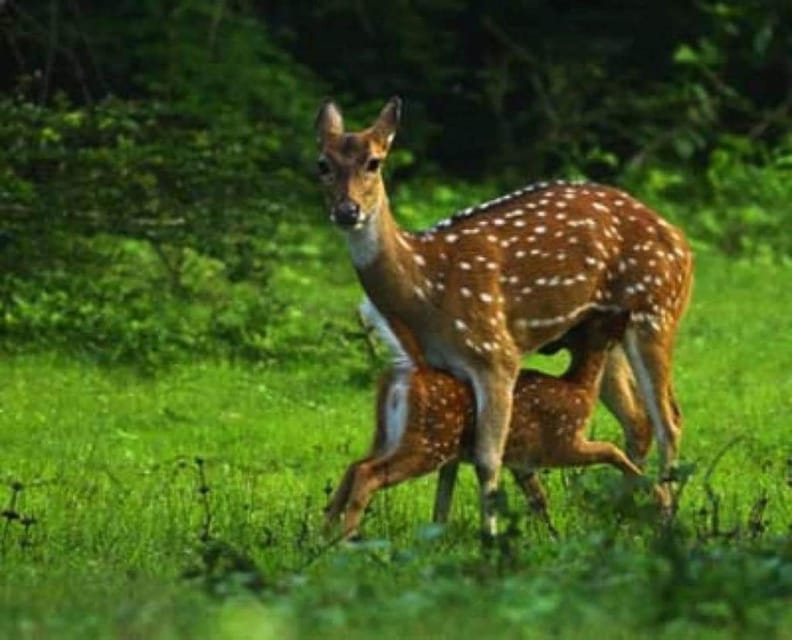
{"x": 544, "y": 256}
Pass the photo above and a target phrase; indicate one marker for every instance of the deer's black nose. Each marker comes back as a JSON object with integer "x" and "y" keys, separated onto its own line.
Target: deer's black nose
{"x": 346, "y": 213}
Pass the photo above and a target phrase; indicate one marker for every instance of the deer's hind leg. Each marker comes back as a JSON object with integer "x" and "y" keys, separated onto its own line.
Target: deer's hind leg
{"x": 649, "y": 355}
{"x": 619, "y": 392}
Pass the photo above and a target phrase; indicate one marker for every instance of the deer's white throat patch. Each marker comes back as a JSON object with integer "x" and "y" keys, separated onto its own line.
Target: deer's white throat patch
{"x": 364, "y": 242}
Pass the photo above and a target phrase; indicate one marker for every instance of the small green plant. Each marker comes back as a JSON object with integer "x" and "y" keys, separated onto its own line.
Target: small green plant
{"x": 12, "y": 517}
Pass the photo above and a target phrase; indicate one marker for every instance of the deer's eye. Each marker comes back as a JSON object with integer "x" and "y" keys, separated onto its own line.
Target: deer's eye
{"x": 373, "y": 164}
{"x": 323, "y": 166}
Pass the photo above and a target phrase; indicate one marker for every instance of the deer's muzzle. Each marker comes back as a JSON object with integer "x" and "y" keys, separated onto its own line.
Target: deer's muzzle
{"x": 346, "y": 213}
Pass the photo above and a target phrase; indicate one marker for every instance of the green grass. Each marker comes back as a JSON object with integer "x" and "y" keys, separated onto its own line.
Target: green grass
{"x": 107, "y": 463}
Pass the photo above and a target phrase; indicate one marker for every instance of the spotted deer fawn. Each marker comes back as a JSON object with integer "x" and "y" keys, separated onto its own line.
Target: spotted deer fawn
{"x": 425, "y": 419}
{"x": 504, "y": 278}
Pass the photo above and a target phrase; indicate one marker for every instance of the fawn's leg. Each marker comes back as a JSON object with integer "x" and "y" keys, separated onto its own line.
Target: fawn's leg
{"x": 372, "y": 475}
{"x": 337, "y": 504}
{"x": 446, "y": 481}
{"x": 587, "y": 452}
{"x": 649, "y": 354}
{"x": 534, "y": 492}
{"x": 584, "y": 452}
{"x": 619, "y": 393}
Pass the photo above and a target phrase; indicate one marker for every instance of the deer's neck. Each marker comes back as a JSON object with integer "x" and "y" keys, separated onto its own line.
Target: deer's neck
{"x": 388, "y": 263}
{"x": 586, "y": 369}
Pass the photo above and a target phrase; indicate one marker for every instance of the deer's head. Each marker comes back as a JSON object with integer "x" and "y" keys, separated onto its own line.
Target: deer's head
{"x": 350, "y": 164}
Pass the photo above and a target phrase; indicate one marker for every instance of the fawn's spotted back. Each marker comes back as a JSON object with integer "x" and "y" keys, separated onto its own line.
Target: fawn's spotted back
{"x": 549, "y": 412}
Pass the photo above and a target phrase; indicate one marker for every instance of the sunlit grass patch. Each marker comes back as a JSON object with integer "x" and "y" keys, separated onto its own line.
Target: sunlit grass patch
{"x": 188, "y": 504}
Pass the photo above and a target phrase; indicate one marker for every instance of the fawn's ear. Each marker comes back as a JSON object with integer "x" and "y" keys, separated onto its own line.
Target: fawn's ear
{"x": 384, "y": 127}
{"x": 329, "y": 121}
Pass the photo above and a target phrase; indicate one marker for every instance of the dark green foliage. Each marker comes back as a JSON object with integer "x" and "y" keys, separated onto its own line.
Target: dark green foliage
{"x": 125, "y": 304}
{"x": 134, "y": 230}
{"x": 749, "y": 203}
{"x": 145, "y": 230}
{"x": 143, "y": 171}
{"x": 156, "y": 158}
{"x": 740, "y": 204}
{"x": 529, "y": 88}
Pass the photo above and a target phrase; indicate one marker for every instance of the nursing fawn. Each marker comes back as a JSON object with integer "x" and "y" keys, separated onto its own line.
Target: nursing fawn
{"x": 495, "y": 281}
{"x": 425, "y": 419}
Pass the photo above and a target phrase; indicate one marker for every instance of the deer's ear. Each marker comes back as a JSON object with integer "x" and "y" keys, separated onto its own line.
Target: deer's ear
{"x": 384, "y": 127}
{"x": 329, "y": 121}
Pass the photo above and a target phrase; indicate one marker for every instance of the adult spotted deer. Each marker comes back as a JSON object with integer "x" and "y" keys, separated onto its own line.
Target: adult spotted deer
{"x": 498, "y": 280}
{"x": 433, "y": 414}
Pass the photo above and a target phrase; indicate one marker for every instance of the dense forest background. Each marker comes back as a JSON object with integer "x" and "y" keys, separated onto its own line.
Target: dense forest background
{"x": 157, "y": 158}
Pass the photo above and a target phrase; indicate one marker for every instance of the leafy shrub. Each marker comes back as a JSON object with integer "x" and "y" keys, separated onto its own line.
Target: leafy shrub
{"x": 144, "y": 228}
{"x": 138, "y": 232}
{"x": 738, "y": 205}
{"x": 122, "y": 304}
{"x": 749, "y": 203}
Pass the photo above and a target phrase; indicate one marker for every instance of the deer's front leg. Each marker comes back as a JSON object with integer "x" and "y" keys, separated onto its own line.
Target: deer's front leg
{"x": 493, "y": 389}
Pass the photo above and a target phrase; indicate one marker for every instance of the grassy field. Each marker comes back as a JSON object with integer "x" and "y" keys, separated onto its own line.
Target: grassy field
{"x": 188, "y": 504}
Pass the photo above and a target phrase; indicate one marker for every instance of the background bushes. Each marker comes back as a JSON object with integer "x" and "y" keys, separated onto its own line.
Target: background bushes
{"x": 135, "y": 230}
{"x": 156, "y": 159}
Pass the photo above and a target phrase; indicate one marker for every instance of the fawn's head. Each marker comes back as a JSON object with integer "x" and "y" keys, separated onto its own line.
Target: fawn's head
{"x": 350, "y": 164}
{"x": 599, "y": 332}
